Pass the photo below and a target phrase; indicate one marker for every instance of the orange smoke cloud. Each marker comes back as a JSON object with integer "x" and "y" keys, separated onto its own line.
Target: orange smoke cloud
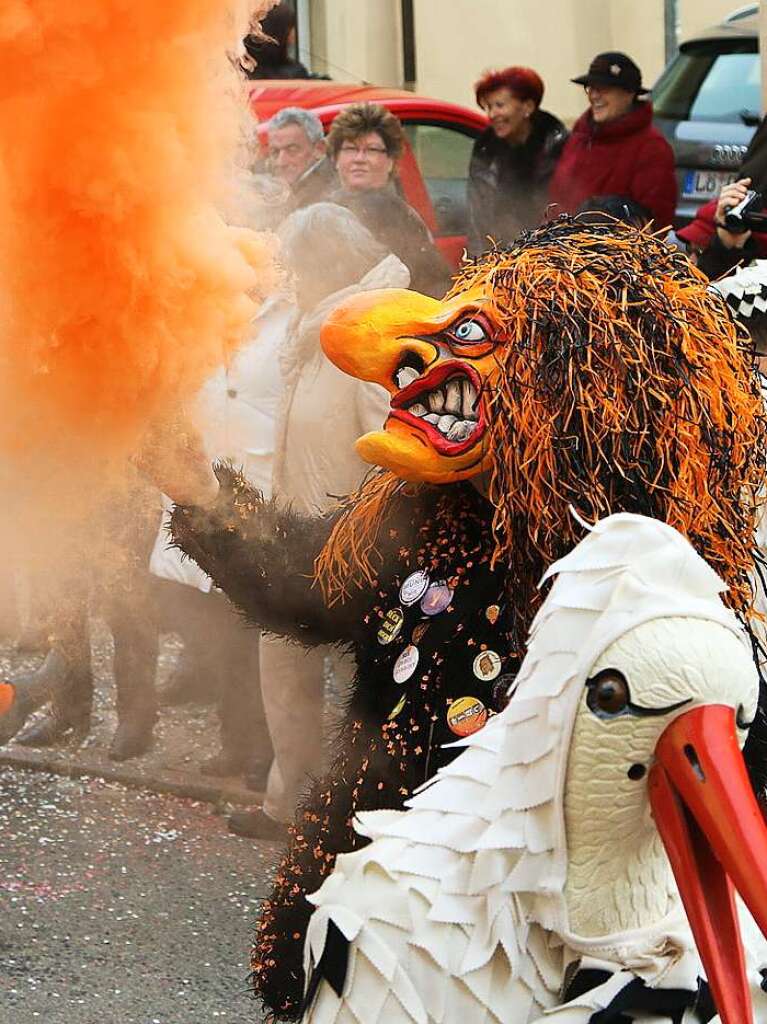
{"x": 120, "y": 287}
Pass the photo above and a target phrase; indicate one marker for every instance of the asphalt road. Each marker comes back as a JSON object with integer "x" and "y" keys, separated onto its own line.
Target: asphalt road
{"x": 122, "y": 907}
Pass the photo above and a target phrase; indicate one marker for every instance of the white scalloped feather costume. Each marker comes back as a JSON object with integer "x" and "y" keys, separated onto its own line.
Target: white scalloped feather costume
{"x": 533, "y": 854}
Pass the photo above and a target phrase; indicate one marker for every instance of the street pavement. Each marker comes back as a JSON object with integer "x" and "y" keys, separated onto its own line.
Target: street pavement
{"x": 123, "y": 898}
{"x": 121, "y": 906}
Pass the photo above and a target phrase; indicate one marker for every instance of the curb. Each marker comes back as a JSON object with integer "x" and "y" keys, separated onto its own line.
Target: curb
{"x": 172, "y": 783}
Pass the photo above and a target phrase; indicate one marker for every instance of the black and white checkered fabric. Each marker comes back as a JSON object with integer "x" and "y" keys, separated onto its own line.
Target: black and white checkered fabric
{"x": 745, "y": 291}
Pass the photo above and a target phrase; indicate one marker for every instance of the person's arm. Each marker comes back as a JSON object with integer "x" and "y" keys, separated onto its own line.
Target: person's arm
{"x": 727, "y": 248}
{"x": 262, "y": 557}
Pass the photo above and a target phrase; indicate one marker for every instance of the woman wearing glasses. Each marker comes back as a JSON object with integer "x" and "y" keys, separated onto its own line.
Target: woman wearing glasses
{"x": 365, "y": 142}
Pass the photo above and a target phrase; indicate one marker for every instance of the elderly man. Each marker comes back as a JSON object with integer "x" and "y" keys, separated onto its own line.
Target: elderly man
{"x": 297, "y": 156}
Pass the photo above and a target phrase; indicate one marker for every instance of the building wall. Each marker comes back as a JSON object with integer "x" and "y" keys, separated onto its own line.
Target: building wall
{"x": 558, "y": 38}
{"x": 457, "y": 39}
{"x": 699, "y": 14}
{"x": 357, "y": 40}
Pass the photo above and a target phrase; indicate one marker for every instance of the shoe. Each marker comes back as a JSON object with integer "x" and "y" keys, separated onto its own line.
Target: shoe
{"x": 70, "y": 692}
{"x": 133, "y": 737}
{"x": 54, "y": 727}
{"x": 256, "y": 824}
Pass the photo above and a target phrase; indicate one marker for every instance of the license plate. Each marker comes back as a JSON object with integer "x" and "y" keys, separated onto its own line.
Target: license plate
{"x": 706, "y": 184}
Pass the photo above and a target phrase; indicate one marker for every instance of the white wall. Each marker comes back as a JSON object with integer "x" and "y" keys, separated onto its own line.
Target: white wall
{"x": 455, "y": 41}
{"x": 358, "y": 40}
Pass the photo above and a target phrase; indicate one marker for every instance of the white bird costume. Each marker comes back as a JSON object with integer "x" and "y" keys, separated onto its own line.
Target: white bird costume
{"x": 529, "y": 881}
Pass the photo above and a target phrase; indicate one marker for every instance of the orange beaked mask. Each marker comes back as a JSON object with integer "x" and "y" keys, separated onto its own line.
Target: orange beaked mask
{"x": 437, "y": 360}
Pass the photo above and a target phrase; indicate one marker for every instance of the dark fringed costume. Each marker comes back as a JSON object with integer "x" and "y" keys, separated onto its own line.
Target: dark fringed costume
{"x": 621, "y": 385}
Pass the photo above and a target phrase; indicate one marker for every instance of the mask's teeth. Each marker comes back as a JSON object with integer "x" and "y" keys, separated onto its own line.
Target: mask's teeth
{"x": 460, "y": 430}
{"x": 436, "y": 400}
{"x": 406, "y": 375}
{"x": 417, "y": 409}
{"x": 445, "y": 423}
{"x": 469, "y": 396}
{"x": 453, "y": 399}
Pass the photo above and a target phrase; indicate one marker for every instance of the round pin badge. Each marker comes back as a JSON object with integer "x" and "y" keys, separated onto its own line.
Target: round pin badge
{"x": 414, "y": 587}
{"x": 436, "y": 599}
{"x": 487, "y": 666}
{"x": 406, "y": 664}
{"x": 398, "y": 707}
{"x": 466, "y": 715}
{"x": 391, "y": 627}
{"x": 492, "y": 613}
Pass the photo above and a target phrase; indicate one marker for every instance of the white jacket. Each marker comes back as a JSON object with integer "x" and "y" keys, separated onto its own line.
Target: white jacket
{"x": 324, "y": 410}
{"x": 235, "y": 412}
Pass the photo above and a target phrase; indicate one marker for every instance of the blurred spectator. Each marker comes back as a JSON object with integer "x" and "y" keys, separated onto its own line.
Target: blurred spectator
{"x": 297, "y": 156}
{"x": 365, "y": 143}
{"x": 513, "y": 160}
{"x": 608, "y": 209}
{"x": 267, "y": 53}
{"x": 709, "y": 242}
{"x": 713, "y": 246}
{"x": 614, "y": 148}
{"x": 323, "y": 412}
{"x": 235, "y": 413}
{"x": 104, "y": 559}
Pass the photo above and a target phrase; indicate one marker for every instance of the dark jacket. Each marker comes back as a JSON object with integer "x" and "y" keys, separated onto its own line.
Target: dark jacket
{"x": 627, "y": 157}
{"x": 507, "y": 188}
{"x": 400, "y": 229}
{"x": 314, "y": 185}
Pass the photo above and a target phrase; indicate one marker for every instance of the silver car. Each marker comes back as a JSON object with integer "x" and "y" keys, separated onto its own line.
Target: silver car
{"x": 707, "y": 104}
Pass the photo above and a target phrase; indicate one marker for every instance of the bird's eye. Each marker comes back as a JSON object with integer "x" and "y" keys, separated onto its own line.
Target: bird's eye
{"x": 608, "y": 693}
{"x": 469, "y": 332}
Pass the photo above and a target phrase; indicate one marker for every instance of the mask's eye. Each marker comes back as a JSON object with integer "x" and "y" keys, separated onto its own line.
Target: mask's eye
{"x": 469, "y": 332}
{"x": 608, "y": 693}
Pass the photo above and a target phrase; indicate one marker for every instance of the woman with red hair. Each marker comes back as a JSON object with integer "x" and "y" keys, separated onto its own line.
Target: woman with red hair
{"x": 513, "y": 160}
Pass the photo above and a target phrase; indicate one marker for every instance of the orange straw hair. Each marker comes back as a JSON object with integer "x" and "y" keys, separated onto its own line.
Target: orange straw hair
{"x": 624, "y": 385}
{"x": 121, "y": 287}
{"x": 349, "y": 557}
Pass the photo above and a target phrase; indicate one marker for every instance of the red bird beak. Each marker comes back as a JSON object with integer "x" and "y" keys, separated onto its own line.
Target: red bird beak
{"x": 715, "y": 838}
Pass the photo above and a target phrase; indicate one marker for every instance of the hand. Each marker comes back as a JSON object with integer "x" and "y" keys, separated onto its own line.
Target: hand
{"x": 730, "y": 196}
{"x": 173, "y": 458}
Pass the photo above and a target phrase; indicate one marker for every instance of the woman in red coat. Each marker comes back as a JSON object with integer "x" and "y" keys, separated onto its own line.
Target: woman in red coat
{"x": 614, "y": 148}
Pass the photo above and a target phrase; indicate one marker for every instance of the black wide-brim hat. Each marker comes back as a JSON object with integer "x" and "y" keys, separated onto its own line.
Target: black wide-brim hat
{"x": 613, "y": 69}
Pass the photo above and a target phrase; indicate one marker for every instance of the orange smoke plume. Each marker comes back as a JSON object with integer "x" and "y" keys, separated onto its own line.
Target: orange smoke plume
{"x": 120, "y": 286}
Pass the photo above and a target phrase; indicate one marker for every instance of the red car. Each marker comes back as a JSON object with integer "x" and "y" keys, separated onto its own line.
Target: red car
{"x": 435, "y": 164}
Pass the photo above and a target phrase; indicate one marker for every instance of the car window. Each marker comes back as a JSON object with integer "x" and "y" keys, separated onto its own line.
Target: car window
{"x": 443, "y": 153}
{"x": 703, "y": 83}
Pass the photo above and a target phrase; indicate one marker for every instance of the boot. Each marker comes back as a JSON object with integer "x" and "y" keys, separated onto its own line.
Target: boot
{"x": 136, "y": 640}
{"x": 256, "y": 824}
{"x": 69, "y": 687}
{"x": 132, "y": 738}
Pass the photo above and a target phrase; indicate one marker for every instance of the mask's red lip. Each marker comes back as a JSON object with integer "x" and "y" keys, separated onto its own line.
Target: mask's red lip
{"x": 423, "y": 385}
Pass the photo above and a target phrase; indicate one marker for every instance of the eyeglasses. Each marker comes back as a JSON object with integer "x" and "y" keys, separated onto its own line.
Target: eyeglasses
{"x": 371, "y": 151}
